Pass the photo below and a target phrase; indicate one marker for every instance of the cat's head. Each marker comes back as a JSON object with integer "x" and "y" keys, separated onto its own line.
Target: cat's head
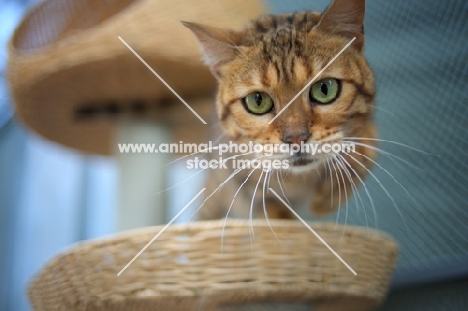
{"x": 262, "y": 67}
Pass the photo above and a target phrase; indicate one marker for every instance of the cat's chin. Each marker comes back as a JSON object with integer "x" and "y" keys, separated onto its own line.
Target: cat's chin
{"x": 303, "y": 164}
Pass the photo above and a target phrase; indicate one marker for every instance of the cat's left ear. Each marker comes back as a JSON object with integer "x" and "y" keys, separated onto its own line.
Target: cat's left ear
{"x": 218, "y": 45}
{"x": 345, "y": 17}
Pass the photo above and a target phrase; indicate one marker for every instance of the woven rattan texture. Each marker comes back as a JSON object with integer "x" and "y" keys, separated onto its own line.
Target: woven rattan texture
{"x": 185, "y": 268}
{"x": 66, "y": 62}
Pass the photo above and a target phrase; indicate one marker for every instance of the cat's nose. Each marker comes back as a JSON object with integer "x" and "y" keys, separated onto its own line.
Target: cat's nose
{"x": 297, "y": 138}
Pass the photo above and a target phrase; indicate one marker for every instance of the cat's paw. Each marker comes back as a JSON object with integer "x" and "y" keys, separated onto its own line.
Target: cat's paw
{"x": 278, "y": 211}
{"x": 323, "y": 206}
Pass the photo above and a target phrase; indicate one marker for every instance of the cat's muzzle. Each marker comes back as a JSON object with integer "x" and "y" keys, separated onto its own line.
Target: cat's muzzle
{"x": 300, "y": 159}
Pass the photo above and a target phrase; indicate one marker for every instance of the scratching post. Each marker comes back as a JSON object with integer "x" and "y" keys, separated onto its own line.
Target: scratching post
{"x": 141, "y": 175}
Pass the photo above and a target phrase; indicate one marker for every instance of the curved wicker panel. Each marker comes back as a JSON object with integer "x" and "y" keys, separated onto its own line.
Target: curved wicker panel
{"x": 71, "y": 77}
{"x": 185, "y": 269}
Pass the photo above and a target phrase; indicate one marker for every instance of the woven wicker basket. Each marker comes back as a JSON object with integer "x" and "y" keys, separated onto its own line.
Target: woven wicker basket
{"x": 71, "y": 76}
{"x": 184, "y": 269}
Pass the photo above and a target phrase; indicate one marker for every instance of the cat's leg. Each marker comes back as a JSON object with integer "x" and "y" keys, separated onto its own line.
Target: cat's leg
{"x": 293, "y": 189}
{"x": 338, "y": 183}
{"x": 214, "y": 204}
{"x": 277, "y": 210}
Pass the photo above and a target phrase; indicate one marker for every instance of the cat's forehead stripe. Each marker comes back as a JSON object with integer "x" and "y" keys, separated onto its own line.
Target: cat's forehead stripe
{"x": 300, "y": 70}
{"x": 256, "y": 80}
{"x": 272, "y": 76}
{"x": 253, "y": 82}
{"x": 270, "y": 23}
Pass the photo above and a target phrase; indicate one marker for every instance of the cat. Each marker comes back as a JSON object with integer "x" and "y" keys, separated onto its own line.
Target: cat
{"x": 259, "y": 69}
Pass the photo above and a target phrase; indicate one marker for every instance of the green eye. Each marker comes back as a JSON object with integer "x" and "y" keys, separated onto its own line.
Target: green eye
{"x": 324, "y": 91}
{"x": 258, "y": 103}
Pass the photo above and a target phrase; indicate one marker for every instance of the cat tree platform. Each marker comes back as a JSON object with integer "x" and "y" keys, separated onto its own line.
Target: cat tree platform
{"x": 185, "y": 269}
{"x": 73, "y": 80}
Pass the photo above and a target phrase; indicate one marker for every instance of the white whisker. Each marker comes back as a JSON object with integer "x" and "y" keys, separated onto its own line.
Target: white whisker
{"x": 385, "y": 190}
{"x": 181, "y": 182}
{"x": 206, "y": 150}
{"x": 219, "y": 187}
{"x": 365, "y": 189}
{"x": 313, "y": 231}
{"x": 345, "y": 192}
{"x": 234, "y": 198}
{"x": 252, "y": 233}
{"x": 278, "y": 175}
{"x": 339, "y": 189}
{"x": 391, "y": 175}
{"x": 264, "y": 205}
{"x": 391, "y": 155}
{"x": 357, "y": 196}
{"x": 389, "y": 141}
{"x": 385, "y": 110}
{"x": 198, "y": 172}
{"x": 331, "y": 182}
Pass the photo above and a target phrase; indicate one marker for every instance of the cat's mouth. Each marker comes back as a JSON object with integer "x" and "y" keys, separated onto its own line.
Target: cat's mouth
{"x": 300, "y": 159}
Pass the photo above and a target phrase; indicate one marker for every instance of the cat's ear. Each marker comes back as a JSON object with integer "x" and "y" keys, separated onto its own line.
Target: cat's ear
{"x": 218, "y": 45}
{"x": 345, "y": 17}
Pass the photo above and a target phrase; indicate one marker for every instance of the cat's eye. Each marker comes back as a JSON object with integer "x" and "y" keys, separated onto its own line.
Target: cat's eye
{"x": 324, "y": 91}
{"x": 258, "y": 103}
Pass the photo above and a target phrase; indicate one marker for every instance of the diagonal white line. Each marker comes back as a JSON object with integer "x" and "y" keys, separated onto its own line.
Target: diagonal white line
{"x": 313, "y": 231}
{"x": 159, "y": 77}
{"x": 160, "y": 232}
{"x": 312, "y": 80}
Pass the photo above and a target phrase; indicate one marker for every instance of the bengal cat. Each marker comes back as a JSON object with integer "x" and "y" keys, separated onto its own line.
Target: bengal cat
{"x": 261, "y": 68}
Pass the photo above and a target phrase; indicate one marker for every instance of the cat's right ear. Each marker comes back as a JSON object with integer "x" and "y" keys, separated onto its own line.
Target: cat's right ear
{"x": 218, "y": 45}
{"x": 345, "y": 17}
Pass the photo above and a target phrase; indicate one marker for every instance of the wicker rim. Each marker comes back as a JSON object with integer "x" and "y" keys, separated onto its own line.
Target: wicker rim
{"x": 72, "y": 80}
{"x": 184, "y": 268}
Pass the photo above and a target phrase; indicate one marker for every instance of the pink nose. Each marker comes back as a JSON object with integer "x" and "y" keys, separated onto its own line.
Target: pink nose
{"x": 296, "y": 138}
